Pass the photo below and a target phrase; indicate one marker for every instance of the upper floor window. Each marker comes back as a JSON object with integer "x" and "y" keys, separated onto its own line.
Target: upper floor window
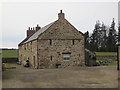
{"x": 25, "y": 46}
{"x": 73, "y": 42}
{"x": 50, "y": 42}
{"x": 31, "y": 45}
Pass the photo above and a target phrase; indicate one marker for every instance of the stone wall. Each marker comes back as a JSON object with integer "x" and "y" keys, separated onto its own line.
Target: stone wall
{"x": 62, "y": 29}
{"x": 61, "y": 38}
{"x": 51, "y": 55}
{"x": 28, "y": 51}
{"x": 108, "y": 57}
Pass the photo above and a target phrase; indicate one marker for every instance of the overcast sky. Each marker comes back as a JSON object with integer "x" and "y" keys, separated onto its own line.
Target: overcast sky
{"x": 18, "y": 16}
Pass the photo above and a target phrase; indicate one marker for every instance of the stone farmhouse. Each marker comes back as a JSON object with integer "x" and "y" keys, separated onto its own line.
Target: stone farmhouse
{"x": 58, "y": 44}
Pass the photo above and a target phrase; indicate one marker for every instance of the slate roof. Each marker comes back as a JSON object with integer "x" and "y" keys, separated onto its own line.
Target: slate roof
{"x": 40, "y": 31}
{"x": 24, "y": 40}
{"x": 36, "y": 34}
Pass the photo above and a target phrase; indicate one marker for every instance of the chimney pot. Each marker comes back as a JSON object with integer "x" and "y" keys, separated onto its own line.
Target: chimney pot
{"x": 60, "y": 11}
{"x": 37, "y": 27}
{"x": 28, "y": 28}
{"x": 31, "y": 31}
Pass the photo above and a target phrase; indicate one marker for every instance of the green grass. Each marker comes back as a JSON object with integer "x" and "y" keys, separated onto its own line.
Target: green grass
{"x": 113, "y": 63}
{"x": 9, "y": 53}
{"x": 8, "y": 65}
{"x": 106, "y": 53}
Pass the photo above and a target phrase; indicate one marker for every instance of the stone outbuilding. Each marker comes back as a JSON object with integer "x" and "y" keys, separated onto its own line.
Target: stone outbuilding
{"x": 90, "y": 58}
{"x": 58, "y": 44}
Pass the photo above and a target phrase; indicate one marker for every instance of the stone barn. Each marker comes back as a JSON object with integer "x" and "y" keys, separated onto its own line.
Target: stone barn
{"x": 58, "y": 44}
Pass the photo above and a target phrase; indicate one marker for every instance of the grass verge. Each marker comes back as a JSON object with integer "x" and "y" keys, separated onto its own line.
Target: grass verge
{"x": 106, "y": 53}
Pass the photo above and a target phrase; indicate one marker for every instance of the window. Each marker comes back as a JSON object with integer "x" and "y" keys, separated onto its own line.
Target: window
{"x": 31, "y": 46}
{"x": 79, "y": 40}
{"x": 50, "y": 42}
{"x": 73, "y": 42}
{"x": 51, "y": 58}
{"x": 25, "y": 46}
{"x": 66, "y": 56}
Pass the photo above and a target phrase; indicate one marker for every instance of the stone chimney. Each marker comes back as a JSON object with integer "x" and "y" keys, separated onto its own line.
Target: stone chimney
{"x": 31, "y": 31}
{"x": 38, "y": 27}
{"x": 61, "y": 15}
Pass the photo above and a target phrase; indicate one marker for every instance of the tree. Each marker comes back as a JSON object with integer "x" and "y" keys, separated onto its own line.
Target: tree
{"x": 111, "y": 39}
{"x": 103, "y": 38}
{"x": 94, "y": 39}
{"x": 86, "y": 39}
{"x": 119, "y": 33}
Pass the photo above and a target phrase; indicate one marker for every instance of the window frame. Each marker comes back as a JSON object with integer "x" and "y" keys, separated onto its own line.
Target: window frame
{"x": 66, "y": 56}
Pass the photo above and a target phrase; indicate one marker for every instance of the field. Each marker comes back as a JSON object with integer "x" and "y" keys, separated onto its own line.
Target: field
{"x": 10, "y": 53}
{"x": 106, "y": 53}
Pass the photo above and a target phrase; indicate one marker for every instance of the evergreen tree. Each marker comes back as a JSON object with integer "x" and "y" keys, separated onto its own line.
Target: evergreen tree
{"x": 103, "y": 38}
{"x": 111, "y": 39}
{"x": 94, "y": 39}
{"x": 119, "y": 33}
{"x": 86, "y": 39}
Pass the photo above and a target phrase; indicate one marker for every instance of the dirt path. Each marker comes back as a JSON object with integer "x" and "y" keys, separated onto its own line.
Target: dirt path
{"x": 77, "y": 77}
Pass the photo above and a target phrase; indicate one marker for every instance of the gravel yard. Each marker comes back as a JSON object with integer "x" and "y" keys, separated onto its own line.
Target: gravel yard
{"x": 72, "y": 77}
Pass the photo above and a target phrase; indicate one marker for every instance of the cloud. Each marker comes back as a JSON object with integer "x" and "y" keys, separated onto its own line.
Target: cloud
{"x": 8, "y": 45}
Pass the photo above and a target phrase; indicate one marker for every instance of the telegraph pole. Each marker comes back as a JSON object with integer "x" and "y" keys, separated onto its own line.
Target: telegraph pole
{"x": 118, "y": 58}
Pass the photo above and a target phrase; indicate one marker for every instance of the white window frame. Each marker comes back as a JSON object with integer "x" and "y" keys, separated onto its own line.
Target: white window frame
{"x": 66, "y": 56}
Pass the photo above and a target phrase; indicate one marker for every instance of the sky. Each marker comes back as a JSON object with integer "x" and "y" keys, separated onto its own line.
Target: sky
{"x": 18, "y": 16}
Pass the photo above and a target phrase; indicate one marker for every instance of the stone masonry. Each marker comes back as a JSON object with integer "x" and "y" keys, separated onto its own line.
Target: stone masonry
{"x": 58, "y": 44}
